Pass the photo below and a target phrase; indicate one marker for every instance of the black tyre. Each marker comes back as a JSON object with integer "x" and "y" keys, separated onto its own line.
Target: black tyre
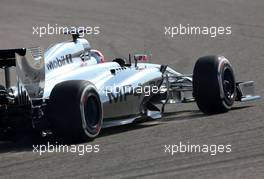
{"x": 2, "y": 87}
{"x": 75, "y": 111}
{"x": 214, "y": 86}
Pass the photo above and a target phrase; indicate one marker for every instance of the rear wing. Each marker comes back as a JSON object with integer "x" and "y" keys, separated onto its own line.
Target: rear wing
{"x": 7, "y": 60}
{"x": 8, "y": 57}
{"x": 30, "y": 69}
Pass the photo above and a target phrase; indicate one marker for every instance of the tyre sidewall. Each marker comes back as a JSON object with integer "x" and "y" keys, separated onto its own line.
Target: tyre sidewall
{"x": 65, "y": 110}
{"x": 208, "y": 87}
{"x": 88, "y": 92}
{"x": 224, "y": 64}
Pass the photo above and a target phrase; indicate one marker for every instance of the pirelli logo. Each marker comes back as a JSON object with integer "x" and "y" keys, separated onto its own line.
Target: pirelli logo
{"x": 59, "y": 62}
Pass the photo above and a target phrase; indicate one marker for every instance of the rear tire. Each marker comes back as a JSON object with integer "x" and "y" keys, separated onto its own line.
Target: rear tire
{"x": 214, "y": 86}
{"x": 75, "y": 111}
{"x": 2, "y": 87}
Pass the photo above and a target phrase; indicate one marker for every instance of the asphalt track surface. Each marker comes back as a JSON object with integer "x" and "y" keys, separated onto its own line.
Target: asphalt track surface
{"x": 137, "y": 150}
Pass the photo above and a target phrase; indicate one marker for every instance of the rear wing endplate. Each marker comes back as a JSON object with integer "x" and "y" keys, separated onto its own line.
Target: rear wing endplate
{"x": 30, "y": 69}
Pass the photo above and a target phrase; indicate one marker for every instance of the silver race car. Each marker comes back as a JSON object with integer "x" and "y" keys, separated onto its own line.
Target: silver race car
{"x": 71, "y": 91}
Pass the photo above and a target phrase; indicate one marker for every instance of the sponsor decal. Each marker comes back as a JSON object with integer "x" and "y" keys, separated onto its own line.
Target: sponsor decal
{"x": 59, "y": 62}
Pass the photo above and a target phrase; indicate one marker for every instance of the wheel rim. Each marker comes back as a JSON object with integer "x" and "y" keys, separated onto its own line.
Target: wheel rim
{"x": 228, "y": 82}
{"x": 92, "y": 114}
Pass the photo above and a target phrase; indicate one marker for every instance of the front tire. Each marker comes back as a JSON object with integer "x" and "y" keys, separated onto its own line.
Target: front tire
{"x": 75, "y": 111}
{"x": 214, "y": 86}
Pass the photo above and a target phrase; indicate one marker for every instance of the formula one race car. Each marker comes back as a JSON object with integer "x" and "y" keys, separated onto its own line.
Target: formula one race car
{"x": 73, "y": 93}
